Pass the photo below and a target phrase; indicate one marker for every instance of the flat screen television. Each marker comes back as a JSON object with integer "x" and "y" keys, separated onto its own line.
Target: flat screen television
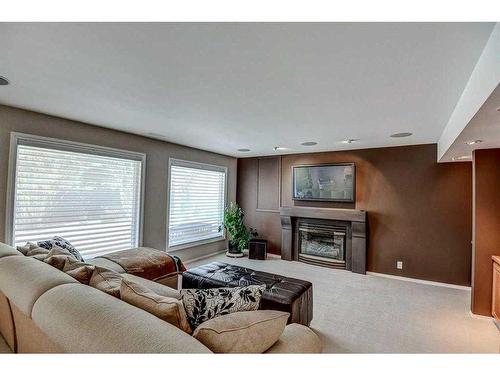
{"x": 324, "y": 182}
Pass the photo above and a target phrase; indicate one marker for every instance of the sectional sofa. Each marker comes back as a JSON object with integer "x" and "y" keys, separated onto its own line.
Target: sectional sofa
{"x": 43, "y": 310}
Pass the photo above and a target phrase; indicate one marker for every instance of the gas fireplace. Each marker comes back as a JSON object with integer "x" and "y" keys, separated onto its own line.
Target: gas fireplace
{"x": 322, "y": 242}
{"x": 328, "y": 237}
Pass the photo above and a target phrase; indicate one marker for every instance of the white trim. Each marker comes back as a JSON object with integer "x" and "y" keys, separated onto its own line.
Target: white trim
{"x": 189, "y": 245}
{"x": 11, "y": 192}
{"x": 142, "y": 198}
{"x": 420, "y": 281}
{"x": 481, "y": 317}
{"x": 245, "y": 252}
{"x": 198, "y": 165}
{"x": 204, "y": 256}
{"x": 17, "y": 138}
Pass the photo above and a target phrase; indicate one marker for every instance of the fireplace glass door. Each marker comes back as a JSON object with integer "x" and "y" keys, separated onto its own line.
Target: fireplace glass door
{"x": 321, "y": 242}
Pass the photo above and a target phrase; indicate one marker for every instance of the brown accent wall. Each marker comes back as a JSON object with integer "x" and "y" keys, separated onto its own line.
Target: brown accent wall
{"x": 486, "y": 228}
{"x": 157, "y": 155}
{"x": 419, "y": 211}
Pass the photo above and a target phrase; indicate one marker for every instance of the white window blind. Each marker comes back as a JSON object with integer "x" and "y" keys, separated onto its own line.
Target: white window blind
{"x": 196, "y": 202}
{"x": 91, "y": 199}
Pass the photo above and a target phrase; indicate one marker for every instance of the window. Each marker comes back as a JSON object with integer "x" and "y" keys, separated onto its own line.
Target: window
{"x": 89, "y": 195}
{"x": 197, "y": 195}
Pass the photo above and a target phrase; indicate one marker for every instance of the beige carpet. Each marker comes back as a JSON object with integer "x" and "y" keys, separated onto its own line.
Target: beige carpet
{"x": 371, "y": 314}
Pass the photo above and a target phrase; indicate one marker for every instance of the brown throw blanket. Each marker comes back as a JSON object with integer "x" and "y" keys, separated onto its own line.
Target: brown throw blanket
{"x": 146, "y": 262}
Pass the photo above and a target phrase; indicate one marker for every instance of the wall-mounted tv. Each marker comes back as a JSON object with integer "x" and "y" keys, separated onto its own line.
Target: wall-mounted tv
{"x": 325, "y": 182}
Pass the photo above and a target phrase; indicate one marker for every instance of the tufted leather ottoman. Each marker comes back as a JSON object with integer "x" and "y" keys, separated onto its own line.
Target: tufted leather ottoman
{"x": 282, "y": 293}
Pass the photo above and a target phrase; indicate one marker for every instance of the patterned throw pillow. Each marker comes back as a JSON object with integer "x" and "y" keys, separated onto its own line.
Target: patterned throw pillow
{"x": 61, "y": 242}
{"x": 204, "y": 304}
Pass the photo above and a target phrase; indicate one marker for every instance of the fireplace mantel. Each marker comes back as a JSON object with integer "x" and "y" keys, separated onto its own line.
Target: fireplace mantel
{"x": 325, "y": 213}
{"x": 355, "y": 218}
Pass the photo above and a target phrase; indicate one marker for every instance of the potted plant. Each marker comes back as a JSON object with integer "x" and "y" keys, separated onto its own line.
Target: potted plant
{"x": 238, "y": 233}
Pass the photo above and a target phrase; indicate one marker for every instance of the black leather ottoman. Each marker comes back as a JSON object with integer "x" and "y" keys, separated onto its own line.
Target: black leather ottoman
{"x": 282, "y": 293}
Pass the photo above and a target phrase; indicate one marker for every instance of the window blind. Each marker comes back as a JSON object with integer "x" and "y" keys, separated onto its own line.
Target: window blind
{"x": 93, "y": 201}
{"x": 196, "y": 202}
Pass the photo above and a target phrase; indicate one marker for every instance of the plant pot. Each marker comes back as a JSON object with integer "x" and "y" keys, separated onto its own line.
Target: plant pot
{"x": 233, "y": 248}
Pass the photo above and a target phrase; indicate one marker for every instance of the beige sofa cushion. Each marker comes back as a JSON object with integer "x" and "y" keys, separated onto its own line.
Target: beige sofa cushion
{"x": 242, "y": 332}
{"x": 105, "y": 263}
{"x": 158, "y": 288}
{"x": 7, "y": 329}
{"x": 168, "y": 309}
{"x": 29, "y": 337}
{"x": 4, "y": 348}
{"x": 24, "y": 279}
{"x": 297, "y": 339}
{"x": 81, "y": 319}
{"x": 6, "y": 250}
{"x": 106, "y": 281}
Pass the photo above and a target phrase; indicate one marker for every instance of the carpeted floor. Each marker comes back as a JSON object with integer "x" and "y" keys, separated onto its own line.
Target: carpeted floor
{"x": 372, "y": 314}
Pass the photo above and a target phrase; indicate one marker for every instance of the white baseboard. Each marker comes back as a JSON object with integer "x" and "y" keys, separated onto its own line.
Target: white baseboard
{"x": 204, "y": 256}
{"x": 482, "y": 317}
{"x": 420, "y": 281}
{"x": 223, "y": 251}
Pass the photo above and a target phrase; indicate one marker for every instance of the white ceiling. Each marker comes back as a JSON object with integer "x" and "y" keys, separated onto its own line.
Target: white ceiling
{"x": 475, "y": 114}
{"x": 484, "y": 126}
{"x": 224, "y": 86}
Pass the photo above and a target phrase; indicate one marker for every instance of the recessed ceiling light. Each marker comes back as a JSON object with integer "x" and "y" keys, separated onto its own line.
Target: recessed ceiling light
{"x": 3, "y": 81}
{"x": 244, "y": 150}
{"x": 401, "y": 135}
{"x": 498, "y": 109}
{"x": 462, "y": 157}
{"x": 156, "y": 135}
{"x": 309, "y": 143}
{"x": 475, "y": 142}
{"x": 349, "y": 141}
{"x": 279, "y": 148}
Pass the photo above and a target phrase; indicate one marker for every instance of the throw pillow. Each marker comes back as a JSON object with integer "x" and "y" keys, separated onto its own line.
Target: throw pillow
{"x": 242, "y": 332}
{"x": 61, "y": 242}
{"x": 57, "y": 257}
{"x": 106, "y": 281}
{"x": 80, "y": 271}
{"x": 168, "y": 309}
{"x": 38, "y": 253}
{"x": 26, "y": 248}
{"x": 204, "y": 304}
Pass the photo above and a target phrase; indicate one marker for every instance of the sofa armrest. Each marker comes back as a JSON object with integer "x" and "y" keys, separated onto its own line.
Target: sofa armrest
{"x": 296, "y": 339}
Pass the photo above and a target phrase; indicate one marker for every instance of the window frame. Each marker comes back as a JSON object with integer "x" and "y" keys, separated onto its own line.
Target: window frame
{"x": 194, "y": 165}
{"x": 17, "y": 138}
